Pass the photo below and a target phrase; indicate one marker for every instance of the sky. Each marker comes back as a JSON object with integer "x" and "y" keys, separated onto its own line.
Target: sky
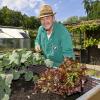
{"x": 63, "y": 8}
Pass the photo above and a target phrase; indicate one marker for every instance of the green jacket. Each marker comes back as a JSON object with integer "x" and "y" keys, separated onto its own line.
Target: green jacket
{"x": 59, "y": 44}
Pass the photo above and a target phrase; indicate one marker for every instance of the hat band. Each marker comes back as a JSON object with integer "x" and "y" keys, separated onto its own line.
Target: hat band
{"x": 49, "y": 13}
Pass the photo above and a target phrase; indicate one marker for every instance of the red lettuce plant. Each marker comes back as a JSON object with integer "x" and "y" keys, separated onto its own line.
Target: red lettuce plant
{"x": 68, "y": 78}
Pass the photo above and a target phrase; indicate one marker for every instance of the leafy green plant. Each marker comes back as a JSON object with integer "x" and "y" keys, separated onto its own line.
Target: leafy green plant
{"x": 28, "y": 76}
{"x": 48, "y": 63}
{"x": 20, "y": 59}
{"x": 87, "y": 30}
{"x": 14, "y": 58}
{"x": 38, "y": 59}
{"x": 5, "y": 83}
{"x": 16, "y": 74}
{"x": 90, "y": 42}
{"x": 13, "y": 65}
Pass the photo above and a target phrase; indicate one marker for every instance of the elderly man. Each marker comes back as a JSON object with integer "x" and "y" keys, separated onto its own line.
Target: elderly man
{"x": 53, "y": 38}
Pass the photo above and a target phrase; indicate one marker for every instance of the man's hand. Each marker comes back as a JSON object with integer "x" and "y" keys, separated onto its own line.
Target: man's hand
{"x": 37, "y": 48}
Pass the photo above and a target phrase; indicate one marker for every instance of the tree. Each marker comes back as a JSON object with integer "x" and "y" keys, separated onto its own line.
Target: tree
{"x": 71, "y": 20}
{"x": 10, "y": 18}
{"x": 5, "y": 16}
{"x": 83, "y": 18}
{"x": 30, "y": 22}
{"x": 1, "y": 18}
{"x": 92, "y": 8}
{"x": 95, "y": 10}
{"x": 87, "y": 6}
{"x": 14, "y": 18}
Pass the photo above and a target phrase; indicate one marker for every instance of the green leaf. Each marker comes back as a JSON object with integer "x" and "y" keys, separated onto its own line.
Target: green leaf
{"x": 25, "y": 56}
{"x": 5, "y": 90}
{"x": 5, "y": 61}
{"x": 37, "y": 56}
{"x": 48, "y": 63}
{"x": 28, "y": 76}
{"x": 2, "y": 76}
{"x": 1, "y": 57}
{"x": 9, "y": 78}
{"x": 14, "y": 58}
{"x": 16, "y": 75}
{"x": 6, "y": 97}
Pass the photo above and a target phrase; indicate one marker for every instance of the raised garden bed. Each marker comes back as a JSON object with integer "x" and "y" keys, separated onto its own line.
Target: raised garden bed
{"x": 93, "y": 94}
{"x": 20, "y": 67}
{"x": 22, "y": 90}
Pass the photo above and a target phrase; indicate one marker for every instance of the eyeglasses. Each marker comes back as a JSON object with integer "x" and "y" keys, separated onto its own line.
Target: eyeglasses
{"x": 45, "y": 18}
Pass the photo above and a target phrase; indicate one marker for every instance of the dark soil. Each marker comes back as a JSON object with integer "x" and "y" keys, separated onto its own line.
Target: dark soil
{"x": 22, "y": 90}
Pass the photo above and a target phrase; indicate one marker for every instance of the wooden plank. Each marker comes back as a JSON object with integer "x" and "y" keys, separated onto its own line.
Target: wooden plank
{"x": 92, "y": 94}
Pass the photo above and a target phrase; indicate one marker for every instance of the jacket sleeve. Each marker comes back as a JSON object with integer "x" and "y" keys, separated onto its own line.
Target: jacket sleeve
{"x": 38, "y": 37}
{"x": 66, "y": 43}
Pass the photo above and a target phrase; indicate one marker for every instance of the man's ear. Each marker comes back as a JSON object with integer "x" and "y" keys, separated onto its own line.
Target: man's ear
{"x": 54, "y": 18}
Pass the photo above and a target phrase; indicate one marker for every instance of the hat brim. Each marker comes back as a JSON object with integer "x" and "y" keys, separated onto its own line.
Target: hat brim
{"x": 46, "y": 15}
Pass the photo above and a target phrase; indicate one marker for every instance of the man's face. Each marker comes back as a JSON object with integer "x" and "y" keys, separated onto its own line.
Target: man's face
{"x": 47, "y": 22}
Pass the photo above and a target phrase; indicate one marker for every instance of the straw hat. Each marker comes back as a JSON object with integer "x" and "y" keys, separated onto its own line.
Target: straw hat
{"x": 46, "y": 10}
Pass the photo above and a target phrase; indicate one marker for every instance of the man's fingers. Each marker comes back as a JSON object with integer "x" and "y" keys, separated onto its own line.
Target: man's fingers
{"x": 37, "y": 48}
